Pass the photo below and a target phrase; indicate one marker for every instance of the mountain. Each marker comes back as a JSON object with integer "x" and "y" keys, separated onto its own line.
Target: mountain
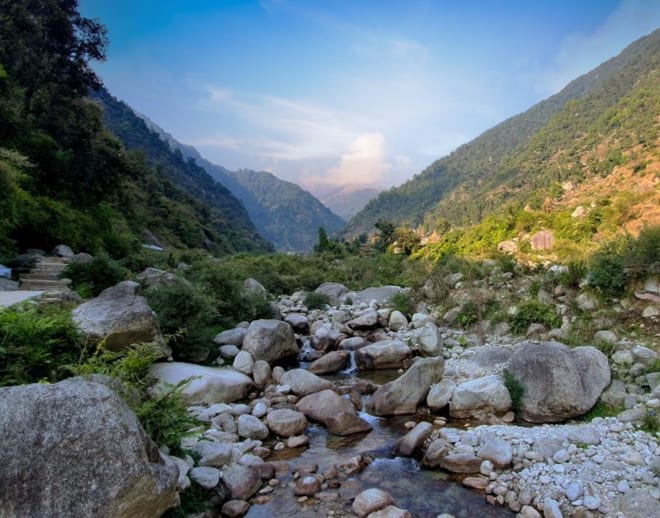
{"x": 225, "y": 225}
{"x": 348, "y": 200}
{"x": 603, "y": 125}
{"x": 285, "y": 214}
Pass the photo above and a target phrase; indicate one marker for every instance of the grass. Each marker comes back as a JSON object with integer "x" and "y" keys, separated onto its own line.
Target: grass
{"x": 516, "y": 390}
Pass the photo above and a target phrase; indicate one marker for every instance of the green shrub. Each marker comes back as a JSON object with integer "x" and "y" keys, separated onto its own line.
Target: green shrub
{"x": 188, "y": 314}
{"x": 90, "y": 279}
{"x": 650, "y": 422}
{"x": 607, "y": 273}
{"x": 531, "y": 312}
{"x": 516, "y": 390}
{"x": 600, "y": 409}
{"x": 468, "y": 315}
{"x": 404, "y": 302}
{"x": 315, "y": 300}
{"x": 37, "y": 343}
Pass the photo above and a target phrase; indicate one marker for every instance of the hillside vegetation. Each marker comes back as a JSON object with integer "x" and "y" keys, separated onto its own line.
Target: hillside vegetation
{"x": 283, "y": 213}
{"x": 593, "y": 144}
{"x": 64, "y": 177}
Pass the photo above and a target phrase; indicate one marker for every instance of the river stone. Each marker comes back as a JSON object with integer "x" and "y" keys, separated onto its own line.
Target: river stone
{"x": 303, "y": 382}
{"x": 207, "y": 385}
{"x": 337, "y": 414}
{"x": 251, "y": 427}
{"x": 120, "y": 317}
{"x": 430, "y": 340}
{"x": 461, "y": 462}
{"x": 262, "y": 373}
{"x": 402, "y": 395}
{"x": 606, "y": 336}
{"x": 286, "y": 423}
{"x": 397, "y": 321}
{"x": 330, "y": 363}
{"x": 381, "y": 295}
{"x": 440, "y": 394}
{"x": 235, "y": 508}
{"x": 365, "y": 320}
{"x": 586, "y": 301}
{"x": 242, "y": 481}
{"x": 386, "y": 354}
{"x": 407, "y": 445}
{"x": 270, "y": 340}
{"x": 644, "y": 355}
{"x": 231, "y": 337}
{"x": 333, "y": 290}
{"x": 480, "y": 397}
{"x": 371, "y": 500}
{"x": 390, "y": 512}
{"x": 205, "y": 476}
{"x": 243, "y": 362}
{"x": 307, "y": 486}
{"x": 298, "y": 322}
{"x": 559, "y": 382}
{"x": 74, "y": 448}
{"x": 496, "y": 450}
{"x": 436, "y": 450}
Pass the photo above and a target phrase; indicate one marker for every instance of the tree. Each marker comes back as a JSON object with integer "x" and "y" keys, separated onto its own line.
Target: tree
{"x": 323, "y": 244}
{"x": 386, "y": 237}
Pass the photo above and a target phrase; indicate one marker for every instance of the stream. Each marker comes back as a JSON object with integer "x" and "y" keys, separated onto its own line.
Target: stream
{"x": 424, "y": 493}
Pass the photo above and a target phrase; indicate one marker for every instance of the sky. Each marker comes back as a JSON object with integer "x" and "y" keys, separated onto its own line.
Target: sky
{"x": 328, "y": 93}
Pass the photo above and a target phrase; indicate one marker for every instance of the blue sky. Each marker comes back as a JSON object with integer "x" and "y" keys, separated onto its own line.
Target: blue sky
{"x": 363, "y": 92}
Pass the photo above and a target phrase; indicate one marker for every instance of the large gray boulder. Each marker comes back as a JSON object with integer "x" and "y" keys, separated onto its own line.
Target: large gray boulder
{"x": 386, "y": 354}
{"x": 75, "y": 449}
{"x": 120, "y": 317}
{"x": 303, "y": 382}
{"x": 330, "y": 363}
{"x": 333, "y": 290}
{"x": 337, "y": 414}
{"x": 402, "y": 395}
{"x": 560, "y": 383}
{"x": 270, "y": 340}
{"x": 207, "y": 385}
{"x": 381, "y": 295}
{"x": 479, "y": 398}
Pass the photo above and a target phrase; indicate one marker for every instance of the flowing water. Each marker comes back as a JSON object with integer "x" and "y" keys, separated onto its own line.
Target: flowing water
{"x": 424, "y": 493}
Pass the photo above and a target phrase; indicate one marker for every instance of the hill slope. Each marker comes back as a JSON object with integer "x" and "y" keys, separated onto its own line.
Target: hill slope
{"x": 220, "y": 209}
{"x": 604, "y": 119}
{"x": 284, "y": 213}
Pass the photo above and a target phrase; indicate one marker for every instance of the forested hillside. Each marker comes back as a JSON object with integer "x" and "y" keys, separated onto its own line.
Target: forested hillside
{"x": 603, "y": 124}
{"x": 63, "y": 176}
{"x": 284, "y": 213}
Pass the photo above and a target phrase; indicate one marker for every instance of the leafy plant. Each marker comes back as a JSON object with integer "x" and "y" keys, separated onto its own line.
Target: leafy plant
{"x": 36, "y": 343}
{"x": 404, "y": 302}
{"x": 601, "y": 409}
{"x": 516, "y": 390}
{"x": 531, "y": 312}
{"x": 469, "y": 314}
{"x": 650, "y": 423}
{"x": 314, "y": 300}
{"x": 90, "y": 279}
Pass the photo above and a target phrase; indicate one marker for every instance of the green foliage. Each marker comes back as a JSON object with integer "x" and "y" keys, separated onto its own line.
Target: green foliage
{"x": 468, "y": 315}
{"x": 601, "y": 409}
{"x": 531, "y": 312}
{"x": 194, "y": 500}
{"x": 654, "y": 366}
{"x": 516, "y": 390}
{"x": 651, "y": 424}
{"x": 90, "y": 279}
{"x": 36, "y": 343}
{"x": 404, "y": 301}
{"x": 315, "y": 300}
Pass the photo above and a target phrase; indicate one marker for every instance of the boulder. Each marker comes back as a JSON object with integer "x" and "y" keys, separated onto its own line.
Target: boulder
{"x": 156, "y": 277}
{"x": 380, "y": 295}
{"x": 440, "y": 394}
{"x": 496, "y": 450}
{"x": 303, "y": 382}
{"x": 242, "y": 481}
{"x": 414, "y": 439}
{"x": 402, "y": 395}
{"x": 250, "y": 427}
{"x": 480, "y": 398}
{"x": 371, "y": 500}
{"x": 243, "y": 362}
{"x": 365, "y": 320}
{"x": 386, "y": 354}
{"x": 270, "y": 340}
{"x": 560, "y": 383}
{"x": 298, "y": 322}
{"x": 231, "y": 337}
{"x": 331, "y": 362}
{"x": 333, "y": 290}
{"x": 337, "y": 414}
{"x": 63, "y": 251}
{"x": 252, "y": 288}
{"x": 262, "y": 373}
{"x": 430, "y": 340}
{"x": 397, "y": 321}
{"x": 286, "y": 423}
{"x": 207, "y": 385}
{"x": 74, "y": 448}
{"x": 120, "y": 317}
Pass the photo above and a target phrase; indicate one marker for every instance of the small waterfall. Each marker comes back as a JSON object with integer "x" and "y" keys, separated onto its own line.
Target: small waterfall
{"x": 352, "y": 366}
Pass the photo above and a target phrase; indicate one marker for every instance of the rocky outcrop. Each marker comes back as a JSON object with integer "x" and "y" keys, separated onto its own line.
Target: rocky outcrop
{"x": 336, "y": 413}
{"x": 402, "y": 395}
{"x": 270, "y": 340}
{"x": 559, "y": 382}
{"x": 207, "y": 385}
{"x": 75, "y": 449}
{"x": 119, "y": 316}
{"x": 480, "y": 398}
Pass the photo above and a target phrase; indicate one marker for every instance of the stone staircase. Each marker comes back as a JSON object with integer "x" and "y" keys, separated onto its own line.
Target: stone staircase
{"x": 44, "y": 275}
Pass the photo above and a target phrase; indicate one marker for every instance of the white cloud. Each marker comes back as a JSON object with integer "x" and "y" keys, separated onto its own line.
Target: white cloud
{"x": 582, "y": 52}
{"x": 363, "y": 163}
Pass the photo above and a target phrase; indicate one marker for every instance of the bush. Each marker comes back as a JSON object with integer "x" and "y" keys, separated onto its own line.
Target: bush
{"x": 315, "y": 300}
{"x": 516, "y": 390}
{"x": 468, "y": 315}
{"x": 532, "y": 312}
{"x": 404, "y": 302}
{"x": 37, "y": 344}
{"x": 90, "y": 279}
